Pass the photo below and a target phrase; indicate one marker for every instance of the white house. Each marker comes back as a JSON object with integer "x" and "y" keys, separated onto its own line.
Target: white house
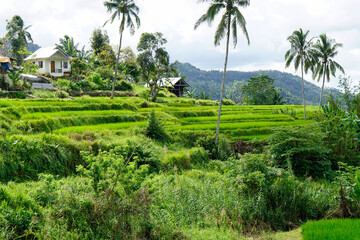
{"x": 52, "y": 60}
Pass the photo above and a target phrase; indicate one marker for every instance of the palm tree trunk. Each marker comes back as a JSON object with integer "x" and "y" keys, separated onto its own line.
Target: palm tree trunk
{"x": 223, "y": 81}
{"x": 303, "y": 91}
{"x": 117, "y": 59}
{"x": 322, "y": 88}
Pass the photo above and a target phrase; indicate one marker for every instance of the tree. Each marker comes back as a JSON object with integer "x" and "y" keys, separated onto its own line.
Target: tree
{"x": 300, "y": 53}
{"x": 83, "y": 55}
{"x": 106, "y": 56}
{"x": 234, "y": 92}
{"x": 261, "y": 90}
{"x": 155, "y": 129}
{"x": 325, "y": 49}
{"x": 18, "y": 36}
{"x": 124, "y": 9}
{"x": 68, "y": 45}
{"x": 3, "y": 46}
{"x": 231, "y": 19}
{"x": 98, "y": 40}
{"x": 154, "y": 61}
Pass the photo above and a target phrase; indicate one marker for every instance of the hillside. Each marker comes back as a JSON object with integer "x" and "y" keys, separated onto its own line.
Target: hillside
{"x": 210, "y": 81}
{"x": 85, "y": 168}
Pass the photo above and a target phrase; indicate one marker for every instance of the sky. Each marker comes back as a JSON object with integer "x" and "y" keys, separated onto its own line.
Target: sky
{"x": 269, "y": 23}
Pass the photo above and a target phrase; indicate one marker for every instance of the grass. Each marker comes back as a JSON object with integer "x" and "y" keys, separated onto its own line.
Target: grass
{"x": 242, "y": 117}
{"x": 41, "y": 115}
{"x": 238, "y": 125}
{"x": 85, "y": 113}
{"x": 111, "y": 126}
{"x": 334, "y": 229}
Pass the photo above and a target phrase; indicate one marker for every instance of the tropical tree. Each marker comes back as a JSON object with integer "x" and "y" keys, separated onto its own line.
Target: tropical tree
{"x": 98, "y": 40}
{"x": 124, "y": 10}
{"x": 261, "y": 90}
{"x": 300, "y": 54}
{"x": 154, "y": 61}
{"x": 231, "y": 19}
{"x": 18, "y": 36}
{"x": 325, "y": 49}
{"x": 68, "y": 45}
{"x": 83, "y": 55}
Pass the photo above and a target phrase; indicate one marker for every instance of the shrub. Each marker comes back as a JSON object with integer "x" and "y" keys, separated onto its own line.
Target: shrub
{"x": 43, "y": 94}
{"x": 123, "y": 86}
{"x": 144, "y": 104}
{"x": 105, "y": 72}
{"x": 61, "y": 94}
{"x": 98, "y": 82}
{"x": 222, "y": 151}
{"x": 19, "y": 215}
{"x": 145, "y": 94}
{"x": 228, "y": 102}
{"x": 155, "y": 129}
{"x": 181, "y": 160}
{"x": 199, "y": 156}
{"x": 302, "y": 150}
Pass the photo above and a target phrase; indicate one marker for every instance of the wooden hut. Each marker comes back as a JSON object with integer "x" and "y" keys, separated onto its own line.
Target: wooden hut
{"x": 175, "y": 85}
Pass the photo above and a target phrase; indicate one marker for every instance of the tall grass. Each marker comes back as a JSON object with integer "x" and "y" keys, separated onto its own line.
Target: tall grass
{"x": 24, "y": 157}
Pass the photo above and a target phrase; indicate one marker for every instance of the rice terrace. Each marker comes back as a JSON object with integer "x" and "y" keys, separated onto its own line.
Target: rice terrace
{"x": 252, "y": 133}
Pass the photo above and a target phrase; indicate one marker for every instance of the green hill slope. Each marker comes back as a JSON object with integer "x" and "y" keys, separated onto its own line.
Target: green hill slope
{"x": 209, "y": 82}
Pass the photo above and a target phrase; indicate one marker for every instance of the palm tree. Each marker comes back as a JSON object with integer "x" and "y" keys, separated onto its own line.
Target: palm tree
{"x": 325, "y": 50}
{"x": 18, "y": 36}
{"x": 67, "y": 44}
{"x": 300, "y": 53}
{"x": 231, "y": 19}
{"x": 124, "y": 10}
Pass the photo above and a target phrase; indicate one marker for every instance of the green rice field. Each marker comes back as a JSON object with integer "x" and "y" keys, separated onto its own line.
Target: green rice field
{"x": 97, "y": 114}
{"x": 334, "y": 229}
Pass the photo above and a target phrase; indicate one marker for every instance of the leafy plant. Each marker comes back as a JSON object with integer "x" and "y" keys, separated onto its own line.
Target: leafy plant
{"x": 302, "y": 150}
{"x": 155, "y": 129}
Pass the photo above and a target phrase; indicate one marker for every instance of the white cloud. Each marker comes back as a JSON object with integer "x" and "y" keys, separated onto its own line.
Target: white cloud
{"x": 269, "y": 23}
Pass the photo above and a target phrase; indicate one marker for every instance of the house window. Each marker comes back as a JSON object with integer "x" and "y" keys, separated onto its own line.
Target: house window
{"x": 41, "y": 64}
{"x": 65, "y": 65}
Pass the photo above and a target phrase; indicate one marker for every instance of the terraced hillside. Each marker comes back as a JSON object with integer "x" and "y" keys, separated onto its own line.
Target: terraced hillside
{"x": 123, "y": 114}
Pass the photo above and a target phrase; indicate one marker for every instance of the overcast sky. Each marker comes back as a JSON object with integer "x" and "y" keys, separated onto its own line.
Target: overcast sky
{"x": 269, "y": 23}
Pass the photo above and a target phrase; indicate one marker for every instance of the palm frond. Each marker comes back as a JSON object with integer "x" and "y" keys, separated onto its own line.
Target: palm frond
{"x": 221, "y": 30}
{"x": 234, "y": 31}
{"x": 209, "y": 15}
{"x": 241, "y": 22}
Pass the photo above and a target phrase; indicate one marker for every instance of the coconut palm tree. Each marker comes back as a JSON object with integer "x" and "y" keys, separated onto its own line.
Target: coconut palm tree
{"x": 325, "y": 49}
{"x": 300, "y": 54}
{"x": 124, "y": 10}
{"x": 231, "y": 19}
{"x": 18, "y": 36}
{"x": 67, "y": 44}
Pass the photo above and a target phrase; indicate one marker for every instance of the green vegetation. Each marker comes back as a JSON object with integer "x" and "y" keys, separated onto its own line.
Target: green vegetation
{"x": 231, "y": 20}
{"x": 338, "y": 229}
{"x": 146, "y": 165}
{"x": 126, "y": 168}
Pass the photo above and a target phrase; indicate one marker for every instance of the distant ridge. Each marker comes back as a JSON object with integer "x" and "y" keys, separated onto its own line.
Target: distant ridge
{"x": 210, "y": 82}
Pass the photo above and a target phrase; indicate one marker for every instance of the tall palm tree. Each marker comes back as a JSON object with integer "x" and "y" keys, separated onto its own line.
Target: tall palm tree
{"x": 124, "y": 10}
{"x": 231, "y": 19}
{"x": 67, "y": 44}
{"x": 300, "y": 53}
{"x": 325, "y": 50}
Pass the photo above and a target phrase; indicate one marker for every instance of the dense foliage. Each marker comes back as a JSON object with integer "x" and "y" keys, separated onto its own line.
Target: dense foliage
{"x": 91, "y": 168}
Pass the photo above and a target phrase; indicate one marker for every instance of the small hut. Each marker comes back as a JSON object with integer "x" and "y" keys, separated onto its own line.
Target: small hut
{"x": 6, "y": 64}
{"x": 175, "y": 85}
